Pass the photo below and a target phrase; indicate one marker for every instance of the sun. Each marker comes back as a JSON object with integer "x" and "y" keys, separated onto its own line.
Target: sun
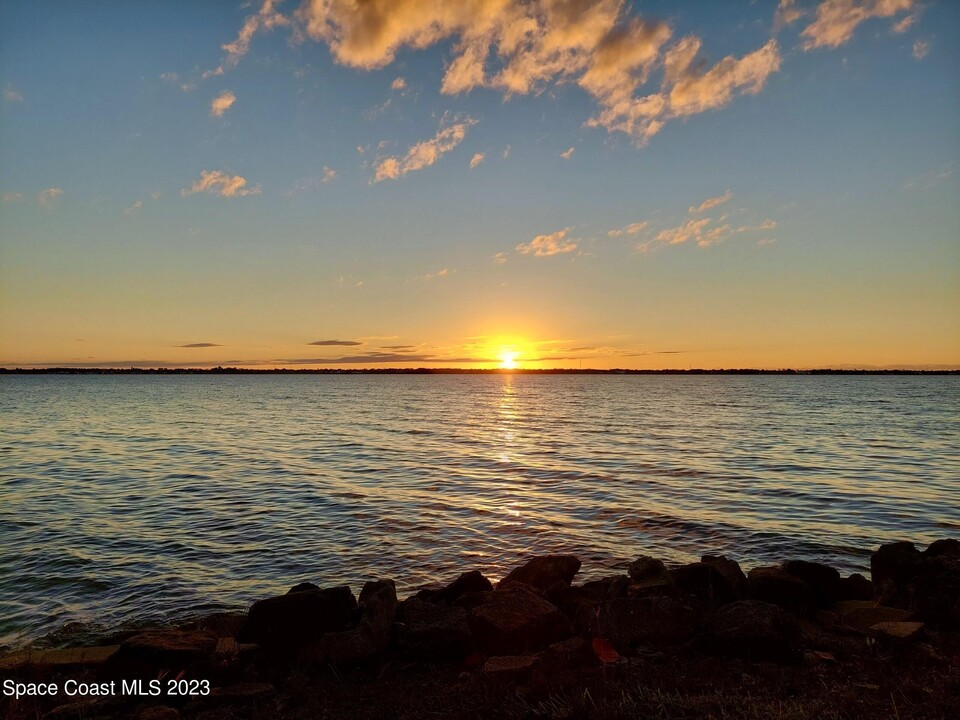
{"x": 508, "y": 359}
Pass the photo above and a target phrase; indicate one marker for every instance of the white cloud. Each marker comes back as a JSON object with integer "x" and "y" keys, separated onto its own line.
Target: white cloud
{"x": 711, "y": 203}
{"x": 568, "y": 153}
{"x": 506, "y": 152}
{"x": 45, "y": 197}
{"x": 219, "y": 183}
{"x": 133, "y": 208}
{"x": 221, "y": 103}
{"x": 423, "y": 154}
{"x": 836, "y": 20}
{"x": 547, "y": 245}
{"x": 631, "y": 229}
{"x": 920, "y": 49}
{"x": 476, "y": 159}
{"x": 12, "y": 197}
{"x": 11, "y": 94}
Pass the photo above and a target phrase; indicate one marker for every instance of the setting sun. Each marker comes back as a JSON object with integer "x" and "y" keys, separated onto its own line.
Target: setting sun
{"x": 508, "y": 360}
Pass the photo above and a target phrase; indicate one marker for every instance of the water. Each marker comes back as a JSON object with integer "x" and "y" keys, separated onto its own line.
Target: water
{"x": 136, "y": 497}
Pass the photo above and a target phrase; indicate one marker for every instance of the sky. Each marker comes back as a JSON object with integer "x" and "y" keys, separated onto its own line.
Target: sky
{"x": 485, "y": 183}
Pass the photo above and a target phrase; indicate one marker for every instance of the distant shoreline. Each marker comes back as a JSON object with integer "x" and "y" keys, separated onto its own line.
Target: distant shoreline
{"x": 449, "y": 371}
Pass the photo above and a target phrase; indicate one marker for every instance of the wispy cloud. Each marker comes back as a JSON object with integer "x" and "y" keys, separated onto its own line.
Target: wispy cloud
{"x": 787, "y": 13}
{"x": 631, "y": 229}
{"x": 903, "y": 25}
{"x": 500, "y": 258}
{"x": 547, "y": 245}
{"x": 12, "y": 197}
{"x": 424, "y": 154}
{"x": 398, "y": 84}
{"x": 200, "y": 345}
{"x": 568, "y": 153}
{"x": 266, "y": 18}
{"x": 921, "y": 49}
{"x": 376, "y": 358}
{"x": 174, "y": 79}
{"x": 476, "y": 159}
{"x": 133, "y": 208}
{"x": 221, "y": 103}
{"x": 346, "y": 343}
{"x": 220, "y": 183}
{"x": 711, "y": 203}
{"x": 836, "y": 20}
{"x": 11, "y": 94}
{"x": 48, "y": 196}
{"x": 329, "y": 175}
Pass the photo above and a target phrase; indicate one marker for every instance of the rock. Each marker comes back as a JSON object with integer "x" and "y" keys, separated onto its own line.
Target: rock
{"x": 896, "y": 630}
{"x": 926, "y": 582}
{"x": 569, "y": 598}
{"x": 704, "y": 582}
{"x": 756, "y": 631}
{"x": 58, "y": 657}
{"x": 628, "y": 622}
{"x": 509, "y": 667}
{"x": 158, "y": 712}
{"x": 470, "y": 600}
{"x": 221, "y": 624}
{"x": 567, "y": 652}
{"x": 468, "y": 582}
{"x": 864, "y": 614}
{"x": 430, "y": 632}
{"x": 542, "y": 572}
{"x": 371, "y": 637}
{"x": 730, "y": 570}
{"x": 299, "y": 617}
{"x": 822, "y": 579}
{"x": 654, "y": 587}
{"x": 776, "y": 586}
{"x": 855, "y": 587}
{"x": 515, "y": 621}
{"x": 303, "y": 587}
{"x": 164, "y": 649}
{"x": 74, "y": 710}
{"x": 646, "y": 568}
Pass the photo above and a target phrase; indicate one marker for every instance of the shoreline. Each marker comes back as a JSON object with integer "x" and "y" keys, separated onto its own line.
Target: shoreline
{"x": 453, "y": 371}
{"x": 701, "y": 639}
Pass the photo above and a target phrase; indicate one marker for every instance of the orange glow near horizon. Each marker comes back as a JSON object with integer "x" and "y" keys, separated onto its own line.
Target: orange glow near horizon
{"x": 508, "y": 359}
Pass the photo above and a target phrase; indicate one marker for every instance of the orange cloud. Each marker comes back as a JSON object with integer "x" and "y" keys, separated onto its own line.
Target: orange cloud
{"x": 221, "y": 103}
{"x": 219, "y": 183}
{"x": 423, "y": 154}
{"x": 836, "y": 20}
{"x": 547, "y": 245}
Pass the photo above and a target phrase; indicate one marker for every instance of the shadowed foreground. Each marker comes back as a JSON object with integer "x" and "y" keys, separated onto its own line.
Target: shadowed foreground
{"x": 699, "y": 640}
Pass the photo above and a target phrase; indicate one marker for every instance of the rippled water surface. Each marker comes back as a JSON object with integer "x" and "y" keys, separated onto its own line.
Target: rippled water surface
{"x": 152, "y": 497}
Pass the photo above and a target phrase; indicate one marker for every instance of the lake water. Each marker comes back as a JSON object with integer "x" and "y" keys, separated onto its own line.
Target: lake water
{"x": 136, "y": 497}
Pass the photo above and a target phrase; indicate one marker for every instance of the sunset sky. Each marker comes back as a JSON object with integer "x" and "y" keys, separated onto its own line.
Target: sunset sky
{"x": 418, "y": 183}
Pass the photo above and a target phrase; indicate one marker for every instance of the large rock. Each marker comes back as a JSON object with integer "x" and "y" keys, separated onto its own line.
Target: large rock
{"x": 544, "y": 572}
{"x": 864, "y": 614}
{"x": 822, "y": 579}
{"x": 854, "y": 587}
{"x": 756, "y": 630}
{"x": 154, "y": 650}
{"x": 705, "y": 582}
{"x": 730, "y": 570}
{"x": 514, "y": 620}
{"x": 299, "y": 617}
{"x": 646, "y": 568}
{"x": 468, "y": 582}
{"x": 629, "y": 622}
{"x": 430, "y": 632}
{"x": 927, "y": 582}
{"x": 776, "y": 586}
{"x": 571, "y": 598}
{"x": 371, "y": 636}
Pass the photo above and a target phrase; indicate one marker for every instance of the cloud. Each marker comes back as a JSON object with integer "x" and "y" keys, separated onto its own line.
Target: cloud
{"x": 398, "y": 84}
{"x": 423, "y": 154}
{"x": 45, "y": 197}
{"x": 375, "y": 357}
{"x": 133, "y": 208}
{"x": 711, "y": 203}
{"x": 903, "y": 25}
{"x": 506, "y": 152}
{"x": 836, "y": 20}
{"x": 11, "y": 94}
{"x": 433, "y": 275}
{"x": 199, "y": 345}
{"x": 403, "y": 348}
{"x": 520, "y": 47}
{"x": 920, "y": 49}
{"x": 174, "y": 79}
{"x": 568, "y": 153}
{"x": 221, "y": 103}
{"x": 219, "y": 183}
{"x": 12, "y": 197}
{"x": 476, "y": 159}
{"x": 631, "y": 229}
{"x": 336, "y": 342}
{"x": 500, "y": 258}
{"x": 329, "y": 175}
{"x": 787, "y": 13}
{"x": 547, "y": 245}
{"x": 689, "y": 230}
{"x": 266, "y": 18}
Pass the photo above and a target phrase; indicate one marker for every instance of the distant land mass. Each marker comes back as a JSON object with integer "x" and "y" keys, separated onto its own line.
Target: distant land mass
{"x": 455, "y": 371}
